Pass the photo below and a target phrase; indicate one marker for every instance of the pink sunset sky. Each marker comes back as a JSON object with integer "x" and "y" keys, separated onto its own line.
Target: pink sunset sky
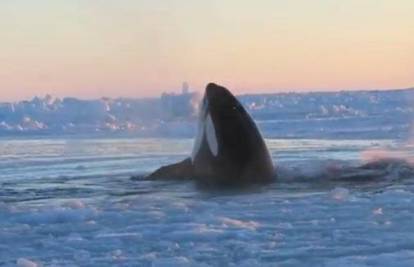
{"x": 127, "y": 48}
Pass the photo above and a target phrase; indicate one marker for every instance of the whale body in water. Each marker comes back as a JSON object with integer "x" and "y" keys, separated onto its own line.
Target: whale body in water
{"x": 228, "y": 149}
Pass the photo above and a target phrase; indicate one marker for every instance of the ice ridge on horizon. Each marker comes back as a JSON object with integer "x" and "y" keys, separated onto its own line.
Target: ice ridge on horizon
{"x": 378, "y": 114}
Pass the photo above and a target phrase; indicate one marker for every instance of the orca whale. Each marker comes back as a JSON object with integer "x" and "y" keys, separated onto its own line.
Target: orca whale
{"x": 228, "y": 149}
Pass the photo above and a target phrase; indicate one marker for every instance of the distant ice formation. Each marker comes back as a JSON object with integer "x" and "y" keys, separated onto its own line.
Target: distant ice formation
{"x": 356, "y": 114}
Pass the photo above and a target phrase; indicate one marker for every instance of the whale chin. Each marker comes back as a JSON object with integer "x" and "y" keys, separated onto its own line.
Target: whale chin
{"x": 228, "y": 148}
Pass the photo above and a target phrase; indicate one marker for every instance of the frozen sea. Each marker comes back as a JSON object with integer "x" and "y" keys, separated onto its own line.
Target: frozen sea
{"x": 71, "y": 202}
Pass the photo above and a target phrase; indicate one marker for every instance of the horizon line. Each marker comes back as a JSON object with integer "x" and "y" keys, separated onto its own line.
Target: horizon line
{"x": 277, "y": 91}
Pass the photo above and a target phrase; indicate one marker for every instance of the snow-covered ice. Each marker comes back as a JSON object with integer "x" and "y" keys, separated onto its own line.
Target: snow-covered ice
{"x": 53, "y": 213}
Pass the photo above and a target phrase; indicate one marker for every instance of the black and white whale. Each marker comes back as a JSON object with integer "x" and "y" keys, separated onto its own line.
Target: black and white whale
{"x": 228, "y": 150}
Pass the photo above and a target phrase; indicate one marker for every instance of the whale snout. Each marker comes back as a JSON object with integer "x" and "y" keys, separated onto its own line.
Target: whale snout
{"x": 213, "y": 90}
{"x": 218, "y": 95}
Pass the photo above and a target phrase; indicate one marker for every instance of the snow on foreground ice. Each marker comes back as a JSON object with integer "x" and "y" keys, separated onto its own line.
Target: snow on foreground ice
{"x": 53, "y": 213}
{"x": 252, "y": 229}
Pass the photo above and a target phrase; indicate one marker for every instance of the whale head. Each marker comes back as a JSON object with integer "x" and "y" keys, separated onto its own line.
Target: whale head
{"x": 228, "y": 145}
